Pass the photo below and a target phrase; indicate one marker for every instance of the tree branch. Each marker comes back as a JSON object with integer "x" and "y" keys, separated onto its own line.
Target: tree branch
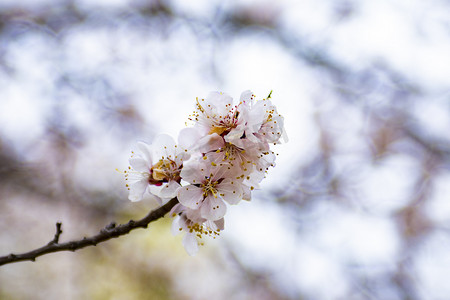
{"x": 109, "y": 232}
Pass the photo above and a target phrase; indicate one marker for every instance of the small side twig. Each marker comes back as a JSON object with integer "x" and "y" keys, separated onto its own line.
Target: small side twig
{"x": 110, "y": 231}
{"x": 57, "y": 234}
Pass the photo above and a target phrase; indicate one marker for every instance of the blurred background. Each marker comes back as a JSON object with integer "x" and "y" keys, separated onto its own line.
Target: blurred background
{"x": 358, "y": 206}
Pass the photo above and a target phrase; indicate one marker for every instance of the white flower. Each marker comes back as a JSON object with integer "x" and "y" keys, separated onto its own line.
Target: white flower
{"x": 263, "y": 124}
{"x": 210, "y": 185}
{"x": 243, "y": 163}
{"x": 216, "y": 114}
{"x": 195, "y": 227}
{"x": 138, "y": 174}
{"x": 272, "y": 126}
{"x": 156, "y": 169}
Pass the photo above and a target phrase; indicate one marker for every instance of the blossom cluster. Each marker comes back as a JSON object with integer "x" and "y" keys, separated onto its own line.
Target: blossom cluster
{"x": 217, "y": 161}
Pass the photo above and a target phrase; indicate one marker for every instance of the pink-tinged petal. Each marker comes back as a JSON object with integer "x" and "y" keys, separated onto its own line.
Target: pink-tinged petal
{"x": 178, "y": 208}
{"x": 220, "y": 224}
{"x": 194, "y": 215}
{"x": 230, "y": 191}
{"x": 247, "y": 196}
{"x": 266, "y": 161}
{"x": 209, "y": 143}
{"x": 216, "y": 225}
{"x": 192, "y": 172}
{"x": 190, "y": 196}
{"x": 139, "y": 164}
{"x": 190, "y": 244}
{"x": 169, "y": 190}
{"x": 137, "y": 190}
{"x": 223, "y": 170}
{"x": 213, "y": 208}
{"x": 253, "y": 179}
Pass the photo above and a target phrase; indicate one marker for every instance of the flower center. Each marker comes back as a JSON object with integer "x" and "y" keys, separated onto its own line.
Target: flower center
{"x": 165, "y": 170}
{"x": 209, "y": 187}
{"x": 218, "y": 129}
{"x": 220, "y": 124}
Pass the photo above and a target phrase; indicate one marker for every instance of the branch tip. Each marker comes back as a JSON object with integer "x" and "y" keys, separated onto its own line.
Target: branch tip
{"x": 57, "y": 234}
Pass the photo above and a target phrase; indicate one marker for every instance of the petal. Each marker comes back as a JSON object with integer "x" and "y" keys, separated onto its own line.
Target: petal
{"x": 146, "y": 151}
{"x": 256, "y": 114}
{"x": 194, "y": 215}
{"x": 192, "y": 173}
{"x": 188, "y": 137}
{"x": 219, "y": 99}
{"x": 139, "y": 164}
{"x": 175, "y": 228}
{"x": 163, "y": 146}
{"x": 216, "y": 225}
{"x": 178, "y": 208}
{"x": 246, "y": 96}
{"x": 209, "y": 143}
{"x": 252, "y": 180}
{"x": 137, "y": 190}
{"x": 230, "y": 191}
{"x": 235, "y": 134}
{"x": 220, "y": 224}
{"x": 213, "y": 208}
{"x": 169, "y": 189}
{"x": 247, "y": 193}
{"x": 190, "y": 244}
{"x": 190, "y": 196}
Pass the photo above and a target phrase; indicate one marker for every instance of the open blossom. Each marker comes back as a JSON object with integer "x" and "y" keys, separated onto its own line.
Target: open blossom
{"x": 156, "y": 169}
{"x": 263, "y": 123}
{"x": 194, "y": 226}
{"x": 217, "y": 114}
{"x": 210, "y": 185}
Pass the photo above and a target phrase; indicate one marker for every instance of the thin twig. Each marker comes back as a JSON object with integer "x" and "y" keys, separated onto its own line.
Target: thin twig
{"x": 107, "y": 233}
{"x": 57, "y": 234}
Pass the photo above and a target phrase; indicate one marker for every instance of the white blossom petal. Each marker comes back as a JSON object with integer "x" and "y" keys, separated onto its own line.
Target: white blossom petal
{"x": 230, "y": 190}
{"x": 175, "y": 228}
{"x": 209, "y": 143}
{"x": 146, "y": 151}
{"x": 188, "y": 138}
{"x": 137, "y": 190}
{"x": 139, "y": 164}
{"x": 190, "y": 196}
{"x": 192, "y": 172}
{"x": 247, "y": 195}
{"x": 220, "y": 100}
{"x": 163, "y": 147}
{"x": 190, "y": 244}
{"x": 169, "y": 190}
{"x": 213, "y": 208}
{"x": 246, "y": 96}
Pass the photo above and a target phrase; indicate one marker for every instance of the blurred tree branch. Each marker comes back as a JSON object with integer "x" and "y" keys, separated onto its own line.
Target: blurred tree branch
{"x": 107, "y": 233}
